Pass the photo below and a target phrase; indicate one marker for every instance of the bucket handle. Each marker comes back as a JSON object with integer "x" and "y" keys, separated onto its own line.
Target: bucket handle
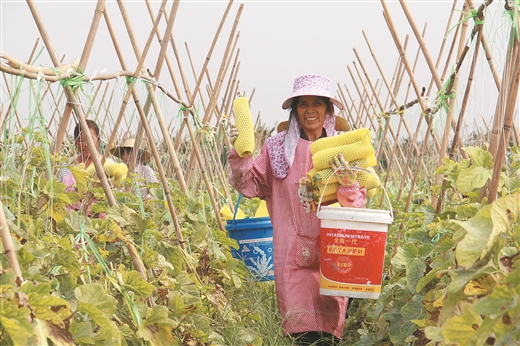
{"x": 236, "y": 207}
{"x": 357, "y": 169}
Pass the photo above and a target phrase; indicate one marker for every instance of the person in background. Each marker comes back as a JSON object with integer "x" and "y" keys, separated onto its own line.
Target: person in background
{"x": 276, "y": 175}
{"x": 124, "y": 152}
{"x": 84, "y": 156}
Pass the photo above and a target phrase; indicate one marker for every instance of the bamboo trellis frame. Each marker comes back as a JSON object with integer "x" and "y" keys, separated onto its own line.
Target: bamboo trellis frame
{"x": 203, "y": 160}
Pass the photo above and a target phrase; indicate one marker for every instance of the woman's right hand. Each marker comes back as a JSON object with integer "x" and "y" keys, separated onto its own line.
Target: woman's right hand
{"x": 344, "y": 172}
{"x": 233, "y": 134}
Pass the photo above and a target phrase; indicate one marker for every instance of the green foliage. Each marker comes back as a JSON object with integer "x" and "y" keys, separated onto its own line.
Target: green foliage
{"x": 451, "y": 276}
{"x": 80, "y": 285}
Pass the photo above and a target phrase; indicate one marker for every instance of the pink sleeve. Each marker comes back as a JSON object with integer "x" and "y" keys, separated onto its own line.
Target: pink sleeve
{"x": 351, "y": 196}
{"x": 252, "y": 178}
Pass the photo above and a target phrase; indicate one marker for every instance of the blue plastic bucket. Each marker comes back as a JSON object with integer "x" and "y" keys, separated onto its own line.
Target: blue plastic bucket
{"x": 255, "y": 241}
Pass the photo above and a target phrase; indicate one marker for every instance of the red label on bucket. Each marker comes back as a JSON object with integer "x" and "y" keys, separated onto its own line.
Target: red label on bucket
{"x": 352, "y": 256}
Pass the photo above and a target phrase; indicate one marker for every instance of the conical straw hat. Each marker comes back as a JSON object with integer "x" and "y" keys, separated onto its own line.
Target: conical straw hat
{"x": 129, "y": 143}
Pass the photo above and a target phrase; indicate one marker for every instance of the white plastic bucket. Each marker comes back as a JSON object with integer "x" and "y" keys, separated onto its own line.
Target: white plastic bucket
{"x": 352, "y": 251}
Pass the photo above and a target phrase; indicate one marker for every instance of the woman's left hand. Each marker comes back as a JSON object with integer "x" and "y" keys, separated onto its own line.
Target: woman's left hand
{"x": 344, "y": 172}
{"x": 233, "y": 134}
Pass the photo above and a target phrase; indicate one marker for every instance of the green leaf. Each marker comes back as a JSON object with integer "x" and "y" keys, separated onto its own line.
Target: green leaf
{"x": 478, "y": 229}
{"x": 466, "y": 211}
{"x": 25, "y": 257}
{"x": 423, "y": 323}
{"x": 404, "y": 255}
{"x": 75, "y": 222}
{"x": 50, "y": 308}
{"x": 81, "y": 332}
{"x": 425, "y": 251}
{"x": 485, "y": 330}
{"x": 94, "y": 294}
{"x": 176, "y": 258}
{"x": 176, "y": 304}
{"x": 480, "y": 156}
{"x": 42, "y": 288}
{"x": 414, "y": 272}
{"x": 497, "y": 303}
{"x": 14, "y": 321}
{"x": 97, "y": 315}
{"x": 80, "y": 175}
{"x": 67, "y": 259}
{"x": 461, "y": 329}
{"x": 426, "y": 280}
{"x": 135, "y": 283}
{"x": 224, "y": 239}
{"x": 413, "y": 309}
{"x": 157, "y": 326}
{"x": 122, "y": 214}
{"x": 434, "y": 333}
{"x": 504, "y": 212}
{"x": 7, "y": 280}
{"x": 472, "y": 178}
{"x": 216, "y": 339}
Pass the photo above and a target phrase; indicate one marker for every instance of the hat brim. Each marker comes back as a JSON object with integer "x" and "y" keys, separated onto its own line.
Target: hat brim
{"x": 287, "y": 103}
{"x": 341, "y": 125}
{"x": 145, "y": 155}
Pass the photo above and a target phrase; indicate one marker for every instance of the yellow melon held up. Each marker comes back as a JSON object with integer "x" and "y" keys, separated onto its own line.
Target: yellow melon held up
{"x": 245, "y": 142}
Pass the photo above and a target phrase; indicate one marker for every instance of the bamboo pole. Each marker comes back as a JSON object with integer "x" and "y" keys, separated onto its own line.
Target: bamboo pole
{"x": 394, "y": 100}
{"x": 196, "y": 150}
{"x": 422, "y": 44}
{"x": 451, "y": 105}
{"x": 490, "y": 60}
{"x": 414, "y": 66}
{"x": 231, "y": 96}
{"x": 348, "y": 112}
{"x": 190, "y": 95}
{"x": 358, "y": 112}
{"x": 510, "y": 97}
{"x": 174, "y": 47}
{"x": 204, "y": 176}
{"x": 416, "y": 174}
{"x": 20, "y": 66}
{"x": 222, "y": 70}
{"x": 449, "y": 116}
{"x": 140, "y": 64}
{"x": 456, "y": 136}
{"x": 208, "y": 57}
{"x": 387, "y": 126}
{"x": 9, "y": 250}
{"x": 158, "y": 112}
{"x": 383, "y": 138}
{"x": 401, "y": 71}
{"x": 195, "y": 145}
{"x": 410, "y": 73}
{"x": 144, "y": 122}
{"x": 361, "y": 97}
{"x": 60, "y": 134}
{"x": 228, "y": 97}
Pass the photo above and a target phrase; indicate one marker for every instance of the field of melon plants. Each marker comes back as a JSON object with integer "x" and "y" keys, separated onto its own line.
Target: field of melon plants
{"x": 159, "y": 270}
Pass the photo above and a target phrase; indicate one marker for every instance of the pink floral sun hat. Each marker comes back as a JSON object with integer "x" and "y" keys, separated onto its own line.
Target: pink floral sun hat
{"x": 312, "y": 84}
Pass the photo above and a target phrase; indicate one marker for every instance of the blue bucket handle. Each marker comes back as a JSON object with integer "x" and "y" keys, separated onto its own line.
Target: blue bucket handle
{"x": 236, "y": 207}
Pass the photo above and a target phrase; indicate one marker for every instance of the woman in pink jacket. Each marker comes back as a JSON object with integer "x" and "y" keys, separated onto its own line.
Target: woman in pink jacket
{"x": 276, "y": 175}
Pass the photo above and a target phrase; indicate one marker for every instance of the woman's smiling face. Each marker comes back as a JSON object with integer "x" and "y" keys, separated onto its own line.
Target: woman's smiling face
{"x": 312, "y": 111}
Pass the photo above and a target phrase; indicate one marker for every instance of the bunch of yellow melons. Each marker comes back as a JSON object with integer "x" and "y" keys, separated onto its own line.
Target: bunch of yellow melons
{"x": 356, "y": 147}
{"x": 115, "y": 171}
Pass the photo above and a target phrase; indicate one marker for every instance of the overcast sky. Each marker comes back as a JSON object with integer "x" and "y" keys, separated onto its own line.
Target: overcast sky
{"x": 279, "y": 40}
